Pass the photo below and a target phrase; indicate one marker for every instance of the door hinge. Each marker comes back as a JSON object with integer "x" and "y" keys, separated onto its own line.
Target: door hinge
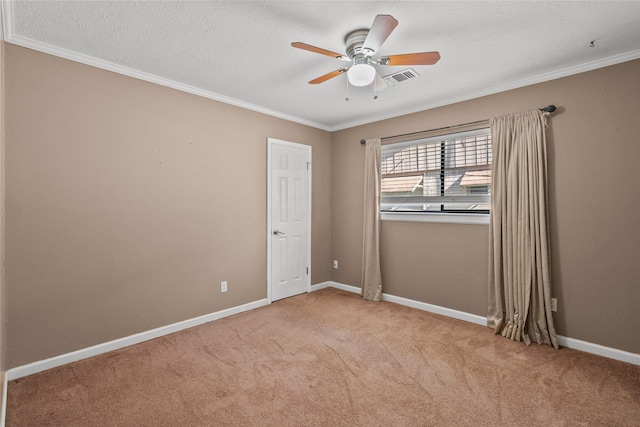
{"x": 307, "y": 271}
{"x": 308, "y": 163}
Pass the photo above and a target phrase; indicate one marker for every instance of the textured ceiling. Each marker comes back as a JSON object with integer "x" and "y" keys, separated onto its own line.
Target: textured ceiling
{"x": 239, "y": 51}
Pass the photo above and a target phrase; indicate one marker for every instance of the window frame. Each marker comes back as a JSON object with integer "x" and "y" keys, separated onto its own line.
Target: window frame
{"x": 437, "y": 217}
{"x": 442, "y": 216}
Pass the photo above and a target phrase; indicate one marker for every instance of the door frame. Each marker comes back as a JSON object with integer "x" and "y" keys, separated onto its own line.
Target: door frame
{"x": 270, "y": 143}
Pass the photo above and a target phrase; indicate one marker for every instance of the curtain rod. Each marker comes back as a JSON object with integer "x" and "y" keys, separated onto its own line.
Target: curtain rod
{"x": 547, "y": 109}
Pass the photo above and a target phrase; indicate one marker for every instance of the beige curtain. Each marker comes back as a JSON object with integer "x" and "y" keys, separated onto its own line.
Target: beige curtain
{"x": 519, "y": 276}
{"x": 371, "y": 275}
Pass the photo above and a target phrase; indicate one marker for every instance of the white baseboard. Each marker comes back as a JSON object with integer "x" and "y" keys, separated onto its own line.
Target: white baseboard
{"x": 348, "y": 288}
{"x": 3, "y": 410}
{"x": 43, "y": 365}
{"x": 53, "y": 362}
{"x": 575, "y": 344}
{"x": 319, "y": 286}
{"x": 449, "y": 312}
{"x": 600, "y": 350}
{"x": 410, "y": 303}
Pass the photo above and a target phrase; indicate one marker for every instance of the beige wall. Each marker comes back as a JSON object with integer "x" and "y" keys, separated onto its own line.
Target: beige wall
{"x": 594, "y": 176}
{"x": 128, "y": 203}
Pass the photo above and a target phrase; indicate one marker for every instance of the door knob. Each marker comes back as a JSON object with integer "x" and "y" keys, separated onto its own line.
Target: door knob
{"x": 277, "y": 232}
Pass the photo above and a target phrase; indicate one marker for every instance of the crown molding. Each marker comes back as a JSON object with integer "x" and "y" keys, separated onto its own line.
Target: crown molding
{"x": 6, "y": 32}
{"x": 10, "y": 37}
{"x": 515, "y": 84}
{"x": 3, "y": 24}
{"x": 152, "y": 78}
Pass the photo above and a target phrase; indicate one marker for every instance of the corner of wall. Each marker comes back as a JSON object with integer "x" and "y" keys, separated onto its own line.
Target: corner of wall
{"x": 2, "y": 205}
{"x": 3, "y": 391}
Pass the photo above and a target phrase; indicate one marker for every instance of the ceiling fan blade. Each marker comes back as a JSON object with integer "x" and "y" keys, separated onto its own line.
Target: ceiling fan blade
{"x": 328, "y": 76}
{"x": 378, "y": 84}
{"x": 421, "y": 58}
{"x": 319, "y": 50}
{"x": 381, "y": 28}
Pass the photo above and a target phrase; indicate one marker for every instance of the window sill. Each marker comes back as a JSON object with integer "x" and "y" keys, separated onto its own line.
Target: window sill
{"x": 450, "y": 218}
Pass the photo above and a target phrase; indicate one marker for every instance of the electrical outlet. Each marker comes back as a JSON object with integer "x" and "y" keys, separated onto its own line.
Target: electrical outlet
{"x": 335, "y": 263}
{"x": 223, "y": 286}
{"x": 554, "y": 304}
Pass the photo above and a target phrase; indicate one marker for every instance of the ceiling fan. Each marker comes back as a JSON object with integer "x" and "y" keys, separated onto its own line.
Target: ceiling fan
{"x": 361, "y": 47}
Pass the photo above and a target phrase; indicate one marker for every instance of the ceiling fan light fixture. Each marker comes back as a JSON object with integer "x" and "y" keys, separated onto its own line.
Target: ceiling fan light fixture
{"x": 361, "y": 74}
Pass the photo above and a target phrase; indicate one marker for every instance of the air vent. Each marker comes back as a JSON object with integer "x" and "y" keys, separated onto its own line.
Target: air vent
{"x": 400, "y": 77}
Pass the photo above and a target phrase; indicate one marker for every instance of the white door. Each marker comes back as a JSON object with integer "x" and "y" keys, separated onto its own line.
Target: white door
{"x": 288, "y": 219}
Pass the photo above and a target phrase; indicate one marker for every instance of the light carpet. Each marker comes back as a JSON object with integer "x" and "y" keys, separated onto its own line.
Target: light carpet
{"x": 329, "y": 358}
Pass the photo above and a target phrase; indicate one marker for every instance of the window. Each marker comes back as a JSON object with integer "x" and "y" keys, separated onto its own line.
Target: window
{"x": 444, "y": 174}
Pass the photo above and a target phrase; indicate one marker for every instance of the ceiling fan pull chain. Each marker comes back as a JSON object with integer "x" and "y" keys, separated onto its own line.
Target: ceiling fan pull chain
{"x": 347, "y": 97}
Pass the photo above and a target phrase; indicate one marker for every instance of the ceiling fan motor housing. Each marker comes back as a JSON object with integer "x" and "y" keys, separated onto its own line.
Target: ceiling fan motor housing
{"x": 354, "y": 41}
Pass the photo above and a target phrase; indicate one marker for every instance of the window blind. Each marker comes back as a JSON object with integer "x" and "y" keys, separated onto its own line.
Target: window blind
{"x": 449, "y": 173}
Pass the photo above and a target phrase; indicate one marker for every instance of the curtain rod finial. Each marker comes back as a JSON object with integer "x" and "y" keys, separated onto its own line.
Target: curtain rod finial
{"x": 362, "y": 141}
{"x": 549, "y": 109}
